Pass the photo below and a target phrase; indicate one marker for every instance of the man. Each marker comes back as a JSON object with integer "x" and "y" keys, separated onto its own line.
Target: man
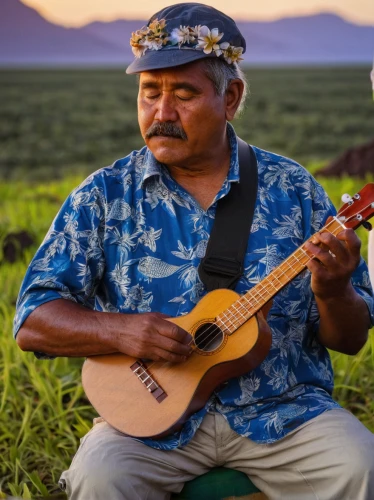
{"x": 122, "y": 256}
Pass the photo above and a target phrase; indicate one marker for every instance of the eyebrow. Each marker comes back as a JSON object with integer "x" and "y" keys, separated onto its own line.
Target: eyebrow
{"x": 176, "y": 86}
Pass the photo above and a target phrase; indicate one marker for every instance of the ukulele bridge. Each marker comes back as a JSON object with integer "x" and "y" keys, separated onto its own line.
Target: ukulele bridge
{"x": 139, "y": 368}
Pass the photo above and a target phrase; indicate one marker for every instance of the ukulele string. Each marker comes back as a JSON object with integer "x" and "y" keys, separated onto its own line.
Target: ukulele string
{"x": 257, "y": 295}
{"x": 211, "y": 330}
{"x": 213, "y": 327}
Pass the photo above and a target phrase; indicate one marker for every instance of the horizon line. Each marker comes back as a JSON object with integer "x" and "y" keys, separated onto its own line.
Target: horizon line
{"x": 238, "y": 17}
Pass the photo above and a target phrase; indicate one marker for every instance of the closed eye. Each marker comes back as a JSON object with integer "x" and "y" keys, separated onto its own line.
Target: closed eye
{"x": 184, "y": 98}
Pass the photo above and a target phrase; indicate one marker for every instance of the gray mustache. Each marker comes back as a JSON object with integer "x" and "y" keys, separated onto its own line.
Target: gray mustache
{"x": 168, "y": 129}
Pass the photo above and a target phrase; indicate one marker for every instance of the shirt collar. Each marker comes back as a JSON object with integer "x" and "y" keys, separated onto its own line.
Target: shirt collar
{"x": 151, "y": 167}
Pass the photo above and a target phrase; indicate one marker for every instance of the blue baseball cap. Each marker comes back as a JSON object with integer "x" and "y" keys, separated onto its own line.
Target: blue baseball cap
{"x": 183, "y": 33}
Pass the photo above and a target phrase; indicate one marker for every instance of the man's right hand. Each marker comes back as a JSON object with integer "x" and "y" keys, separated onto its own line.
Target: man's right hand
{"x": 151, "y": 336}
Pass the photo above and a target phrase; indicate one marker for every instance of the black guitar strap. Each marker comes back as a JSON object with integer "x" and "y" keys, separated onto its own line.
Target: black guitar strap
{"x": 222, "y": 265}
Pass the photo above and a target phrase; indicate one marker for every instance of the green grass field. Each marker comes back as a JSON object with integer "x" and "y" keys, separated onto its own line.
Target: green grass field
{"x": 57, "y": 127}
{"x": 55, "y": 122}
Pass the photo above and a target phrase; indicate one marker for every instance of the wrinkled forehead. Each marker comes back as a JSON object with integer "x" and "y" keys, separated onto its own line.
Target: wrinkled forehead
{"x": 193, "y": 74}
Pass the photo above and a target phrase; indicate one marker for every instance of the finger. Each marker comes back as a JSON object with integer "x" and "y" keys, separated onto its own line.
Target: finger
{"x": 351, "y": 240}
{"x": 330, "y": 244}
{"x": 173, "y": 346}
{"x": 173, "y": 338}
{"x": 159, "y": 329}
{"x": 165, "y": 355}
{"x": 345, "y": 247}
{"x": 317, "y": 269}
{"x": 324, "y": 257}
{"x": 175, "y": 332}
{"x": 347, "y": 238}
{"x": 341, "y": 247}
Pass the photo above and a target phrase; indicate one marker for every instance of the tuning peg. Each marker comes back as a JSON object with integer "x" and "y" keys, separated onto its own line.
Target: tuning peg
{"x": 346, "y": 198}
{"x": 367, "y": 225}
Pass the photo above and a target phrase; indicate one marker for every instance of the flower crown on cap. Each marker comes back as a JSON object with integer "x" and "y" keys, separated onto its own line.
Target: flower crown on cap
{"x": 155, "y": 37}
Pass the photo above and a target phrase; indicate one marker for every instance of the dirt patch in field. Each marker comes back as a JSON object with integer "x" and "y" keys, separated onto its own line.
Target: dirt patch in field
{"x": 356, "y": 161}
{"x": 15, "y": 243}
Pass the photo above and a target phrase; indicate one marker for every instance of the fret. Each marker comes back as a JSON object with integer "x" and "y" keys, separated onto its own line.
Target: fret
{"x": 261, "y": 293}
{"x": 251, "y": 302}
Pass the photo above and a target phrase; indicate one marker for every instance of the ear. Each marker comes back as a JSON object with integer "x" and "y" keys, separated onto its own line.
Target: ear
{"x": 233, "y": 96}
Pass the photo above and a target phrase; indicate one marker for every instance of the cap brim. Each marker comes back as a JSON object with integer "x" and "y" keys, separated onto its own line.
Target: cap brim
{"x": 159, "y": 59}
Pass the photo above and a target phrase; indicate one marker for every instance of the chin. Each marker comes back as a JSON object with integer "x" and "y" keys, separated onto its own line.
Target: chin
{"x": 167, "y": 150}
{"x": 168, "y": 158}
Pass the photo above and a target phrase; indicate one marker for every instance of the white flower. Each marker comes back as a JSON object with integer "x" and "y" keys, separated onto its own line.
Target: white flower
{"x": 222, "y": 47}
{"x": 208, "y": 40}
{"x": 157, "y": 27}
{"x": 137, "y": 41}
{"x": 196, "y": 31}
{"x": 155, "y": 36}
{"x": 139, "y": 48}
{"x": 153, "y": 44}
{"x": 151, "y": 37}
{"x": 232, "y": 54}
{"x": 182, "y": 35}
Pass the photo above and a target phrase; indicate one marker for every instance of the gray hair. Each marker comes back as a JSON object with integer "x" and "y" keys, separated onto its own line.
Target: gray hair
{"x": 221, "y": 74}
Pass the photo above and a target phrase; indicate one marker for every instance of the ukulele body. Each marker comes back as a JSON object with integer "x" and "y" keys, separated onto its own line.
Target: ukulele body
{"x": 116, "y": 384}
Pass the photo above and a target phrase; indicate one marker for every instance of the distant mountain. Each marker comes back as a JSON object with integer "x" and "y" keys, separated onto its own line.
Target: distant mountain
{"x": 322, "y": 38}
{"x": 26, "y": 38}
{"x": 115, "y": 32}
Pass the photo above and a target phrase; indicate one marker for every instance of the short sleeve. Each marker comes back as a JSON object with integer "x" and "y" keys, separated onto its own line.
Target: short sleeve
{"x": 69, "y": 264}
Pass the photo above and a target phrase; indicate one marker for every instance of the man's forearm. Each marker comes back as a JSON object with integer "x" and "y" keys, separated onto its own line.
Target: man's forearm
{"x": 344, "y": 322}
{"x": 64, "y": 328}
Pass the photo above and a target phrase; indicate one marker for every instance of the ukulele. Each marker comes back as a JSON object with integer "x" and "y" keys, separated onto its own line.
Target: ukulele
{"x": 145, "y": 398}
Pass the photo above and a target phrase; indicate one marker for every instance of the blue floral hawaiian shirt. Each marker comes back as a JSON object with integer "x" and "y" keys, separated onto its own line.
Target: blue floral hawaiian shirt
{"x": 129, "y": 240}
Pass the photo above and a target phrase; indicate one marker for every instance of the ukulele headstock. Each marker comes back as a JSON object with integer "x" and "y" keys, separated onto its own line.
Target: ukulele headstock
{"x": 358, "y": 209}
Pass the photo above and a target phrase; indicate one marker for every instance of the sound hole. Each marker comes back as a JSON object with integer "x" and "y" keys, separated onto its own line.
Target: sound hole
{"x": 208, "y": 337}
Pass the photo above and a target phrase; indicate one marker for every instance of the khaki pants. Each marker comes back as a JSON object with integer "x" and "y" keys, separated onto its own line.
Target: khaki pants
{"x": 331, "y": 457}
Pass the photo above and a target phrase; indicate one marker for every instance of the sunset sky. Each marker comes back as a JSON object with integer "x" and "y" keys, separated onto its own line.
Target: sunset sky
{"x": 79, "y": 12}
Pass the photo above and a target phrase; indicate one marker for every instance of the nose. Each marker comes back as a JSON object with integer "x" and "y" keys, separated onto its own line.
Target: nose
{"x": 166, "y": 111}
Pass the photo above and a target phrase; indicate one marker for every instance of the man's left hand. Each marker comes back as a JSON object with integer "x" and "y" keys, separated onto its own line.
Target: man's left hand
{"x": 336, "y": 258}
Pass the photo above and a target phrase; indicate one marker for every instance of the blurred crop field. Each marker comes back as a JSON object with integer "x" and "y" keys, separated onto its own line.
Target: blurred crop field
{"x": 58, "y": 126}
